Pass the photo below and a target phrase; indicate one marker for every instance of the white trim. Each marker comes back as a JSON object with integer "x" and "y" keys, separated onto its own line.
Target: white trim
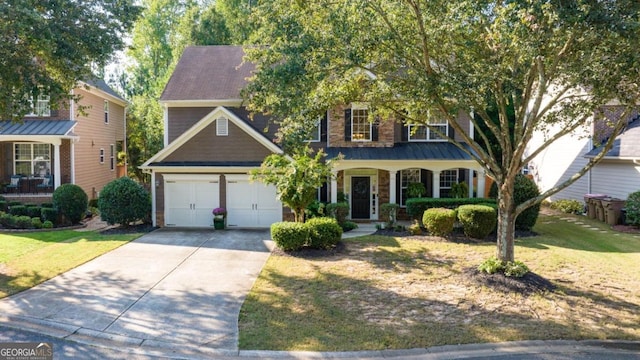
{"x": 187, "y": 177}
{"x": 202, "y": 124}
{"x": 202, "y": 103}
{"x": 374, "y": 196}
{"x": 355, "y": 107}
{"x": 165, "y": 122}
{"x": 428, "y": 133}
{"x": 154, "y": 219}
{"x": 222, "y": 126}
{"x": 200, "y": 169}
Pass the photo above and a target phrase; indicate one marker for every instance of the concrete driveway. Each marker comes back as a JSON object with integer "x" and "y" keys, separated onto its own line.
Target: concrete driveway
{"x": 170, "y": 288}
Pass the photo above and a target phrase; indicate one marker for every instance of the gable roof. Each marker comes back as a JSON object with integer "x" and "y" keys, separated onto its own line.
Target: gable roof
{"x": 625, "y": 146}
{"x": 208, "y": 73}
{"x": 101, "y": 86}
{"x": 202, "y": 124}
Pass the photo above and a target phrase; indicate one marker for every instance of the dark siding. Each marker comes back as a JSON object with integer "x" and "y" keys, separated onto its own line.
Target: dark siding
{"x": 182, "y": 119}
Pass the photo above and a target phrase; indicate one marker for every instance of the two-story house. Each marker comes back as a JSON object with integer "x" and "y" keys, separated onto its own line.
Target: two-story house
{"x": 76, "y": 143}
{"x": 212, "y": 143}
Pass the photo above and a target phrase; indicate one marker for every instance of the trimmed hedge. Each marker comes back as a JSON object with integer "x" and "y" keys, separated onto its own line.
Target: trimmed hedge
{"x": 324, "y": 232}
{"x": 18, "y": 210}
{"x": 478, "y": 221}
{"x": 124, "y": 201}
{"x": 417, "y": 206}
{"x": 49, "y": 214}
{"x": 439, "y": 221}
{"x": 290, "y": 236}
{"x": 71, "y": 202}
{"x": 339, "y": 211}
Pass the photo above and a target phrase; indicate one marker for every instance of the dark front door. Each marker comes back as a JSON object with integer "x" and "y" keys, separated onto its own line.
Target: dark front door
{"x": 360, "y": 194}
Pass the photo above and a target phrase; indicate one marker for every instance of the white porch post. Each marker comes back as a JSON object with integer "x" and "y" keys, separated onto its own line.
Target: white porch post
{"x": 73, "y": 162}
{"x": 56, "y": 166}
{"x": 392, "y": 187}
{"x": 470, "y": 183}
{"x": 154, "y": 218}
{"x": 481, "y": 183}
{"x": 334, "y": 186}
{"x": 436, "y": 184}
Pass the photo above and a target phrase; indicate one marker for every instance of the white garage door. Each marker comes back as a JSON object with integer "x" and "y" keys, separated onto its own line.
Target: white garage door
{"x": 251, "y": 204}
{"x": 189, "y": 199}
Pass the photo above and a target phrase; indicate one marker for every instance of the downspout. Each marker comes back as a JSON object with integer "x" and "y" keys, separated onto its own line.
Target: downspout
{"x": 124, "y": 144}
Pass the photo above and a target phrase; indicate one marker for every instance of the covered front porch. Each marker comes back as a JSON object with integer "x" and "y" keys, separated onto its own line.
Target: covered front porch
{"x": 36, "y": 157}
{"x": 367, "y": 178}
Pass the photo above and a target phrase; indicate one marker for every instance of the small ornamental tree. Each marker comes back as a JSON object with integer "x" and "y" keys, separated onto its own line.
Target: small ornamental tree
{"x": 296, "y": 178}
{"x": 71, "y": 202}
{"x": 124, "y": 201}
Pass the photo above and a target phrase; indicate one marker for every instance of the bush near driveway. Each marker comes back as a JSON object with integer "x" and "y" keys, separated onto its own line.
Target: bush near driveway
{"x": 71, "y": 203}
{"x": 123, "y": 201}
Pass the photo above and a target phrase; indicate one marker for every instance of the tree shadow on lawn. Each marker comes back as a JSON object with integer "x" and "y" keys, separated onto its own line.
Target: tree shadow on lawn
{"x": 330, "y": 312}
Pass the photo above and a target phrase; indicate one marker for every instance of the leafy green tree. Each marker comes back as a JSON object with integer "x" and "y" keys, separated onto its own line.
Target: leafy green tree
{"x": 47, "y": 46}
{"x": 554, "y": 62}
{"x": 296, "y": 178}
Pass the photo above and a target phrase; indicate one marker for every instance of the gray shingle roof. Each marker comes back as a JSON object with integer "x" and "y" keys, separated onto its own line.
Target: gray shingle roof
{"x": 37, "y": 127}
{"x": 403, "y": 151}
{"x": 102, "y": 85}
{"x": 208, "y": 73}
{"x": 626, "y": 145}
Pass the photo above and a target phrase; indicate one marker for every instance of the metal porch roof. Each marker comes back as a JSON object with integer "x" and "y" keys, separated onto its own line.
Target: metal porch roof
{"x": 37, "y": 127}
{"x": 403, "y": 151}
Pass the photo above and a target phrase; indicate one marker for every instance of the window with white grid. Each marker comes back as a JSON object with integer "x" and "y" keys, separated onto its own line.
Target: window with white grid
{"x": 360, "y": 125}
{"x": 407, "y": 176}
{"x": 448, "y": 178}
{"x": 40, "y": 107}
{"x": 32, "y": 159}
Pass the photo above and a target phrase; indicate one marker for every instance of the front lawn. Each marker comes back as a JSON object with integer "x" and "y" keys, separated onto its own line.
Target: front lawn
{"x": 27, "y": 259}
{"x": 393, "y": 293}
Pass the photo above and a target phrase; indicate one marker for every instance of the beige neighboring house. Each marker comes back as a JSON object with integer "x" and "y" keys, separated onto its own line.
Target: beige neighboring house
{"x": 68, "y": 145}
{"x": 211, "y": 144}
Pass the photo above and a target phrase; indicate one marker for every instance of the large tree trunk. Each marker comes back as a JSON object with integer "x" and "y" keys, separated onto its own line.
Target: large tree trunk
{"x": 506, "y": 223}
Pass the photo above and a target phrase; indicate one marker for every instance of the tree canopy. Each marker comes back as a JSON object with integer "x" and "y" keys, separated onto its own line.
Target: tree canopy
{"x": 542, "y": 63}
{"x": 47, "y": 46}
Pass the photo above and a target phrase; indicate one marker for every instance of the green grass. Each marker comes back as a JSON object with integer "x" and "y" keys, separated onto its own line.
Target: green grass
{"x": 392, "y": 293}
{"x": 27, "y": 259}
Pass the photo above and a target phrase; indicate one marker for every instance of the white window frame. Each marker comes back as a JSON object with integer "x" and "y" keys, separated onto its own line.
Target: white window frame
{"x": 404, "y": 185}
{"x": 357, "y": 108}
{"x": 222, "y": 126}
{"x": 316, "y": 131}
{"x": 445, "y": 176}
{"x": 41, "y": 107}
{"x": 101, "y": 158}
{"x": 112, "y": 157}
{"x": 430, "y": 135}
{"x": 33, "y": 160}
{"x": 106, "y": 112}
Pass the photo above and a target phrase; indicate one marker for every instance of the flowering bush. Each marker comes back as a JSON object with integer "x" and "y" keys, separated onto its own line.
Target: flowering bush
{"x": 219, "y": 211}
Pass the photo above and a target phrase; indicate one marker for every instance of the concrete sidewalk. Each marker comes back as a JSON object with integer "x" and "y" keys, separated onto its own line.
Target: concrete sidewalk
{"x": 167, "y": 289}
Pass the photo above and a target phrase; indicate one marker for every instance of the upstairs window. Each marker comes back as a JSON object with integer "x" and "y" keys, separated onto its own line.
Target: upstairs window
{"x": 424, "y": 133}
{"x": 101, "y": 158}
{"x": 40, "y": 107}
{"x": 314, "y": 135}
{"x": 106, "y": 112}
{"x": 112, "y": 157}
{"x": 360, "y": 125}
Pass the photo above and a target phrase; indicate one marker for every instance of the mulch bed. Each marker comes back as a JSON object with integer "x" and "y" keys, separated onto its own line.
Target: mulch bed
{"x": 529, "y": 284}
{"x": 311, "y": 253}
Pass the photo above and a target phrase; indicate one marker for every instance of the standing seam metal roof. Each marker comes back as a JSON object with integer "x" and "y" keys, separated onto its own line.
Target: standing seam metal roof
{"x": 37, "y": 127}
{"x": 403, "y": 151}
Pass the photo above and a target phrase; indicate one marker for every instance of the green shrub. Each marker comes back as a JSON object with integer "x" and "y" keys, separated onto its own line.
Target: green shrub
{"x": 33, "y": 211}
{"x": 415, "y": 229}
{"x": 348, "y": 226}
{"x": 632, "y": 205}
{"x": 18, "y": 210}
{"x": 290, "y": 236}
{"x": 515, "y": 269}
{"x": 478, "y": 221}
{"x": 324, "y": 232}
{"x": 416, "y": 190}
{"x": 439, "y": 221}
{"x": 389, "y": 213}
{"x": 23, "y": 222}
{"x": 417, "y": 206}
{"x": 47, "y": 224}
{"x": 7, "y": 220}
{"x": 568, "y": 206}
{"x": 124, "y": 201}
{"x": 71, "y": 203}
{"x": 14, "y": 203}
{"x": 36, "y": 223}
{"x": 49, "y": 214}
{"x": 459, "y": 190}
{"x": 93, "y": 203}
{"x": 524, "y": 190}
{"x": 4, "y": 206}
{"x": 314, "y": 210}
{"x": 47, "y": 205}
{"x": 338, "y": 211}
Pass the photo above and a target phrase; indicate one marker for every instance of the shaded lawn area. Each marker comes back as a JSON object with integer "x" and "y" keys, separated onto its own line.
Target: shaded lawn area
{"x": 27, "y": 259}
{"x": 393, "y": 293}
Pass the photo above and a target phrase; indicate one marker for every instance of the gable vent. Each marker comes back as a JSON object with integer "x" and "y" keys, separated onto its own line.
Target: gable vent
{"x": 222, "y": 126}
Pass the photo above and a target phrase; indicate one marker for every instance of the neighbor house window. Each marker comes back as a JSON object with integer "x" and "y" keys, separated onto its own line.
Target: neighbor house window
{"x": 106, "y": 112}
{"x": 424, "y": 133}
{"x": 112, "y": 157}
{"x": 32, "y": 159}
{"x": 101, "y": 156}
{"x": 360, "y": 125}
{"x": 447, "y": 179}
{"x": 407, "y": 176}
{"x": 314, "y": 136}
{"x": 40, "y": 107}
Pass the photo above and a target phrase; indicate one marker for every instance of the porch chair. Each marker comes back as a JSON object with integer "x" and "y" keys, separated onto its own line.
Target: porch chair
{"x": 15, "y": 183}
{"x": 46, "y": 183}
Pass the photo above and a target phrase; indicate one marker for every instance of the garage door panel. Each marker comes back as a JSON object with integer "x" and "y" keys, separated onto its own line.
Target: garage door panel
{"x": 189, "y": 202}
{"x": 251, "y": 204}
